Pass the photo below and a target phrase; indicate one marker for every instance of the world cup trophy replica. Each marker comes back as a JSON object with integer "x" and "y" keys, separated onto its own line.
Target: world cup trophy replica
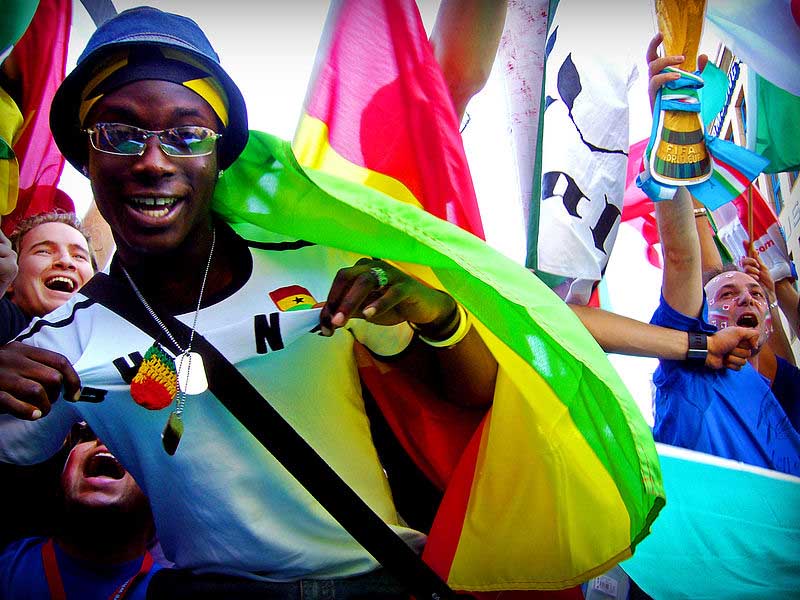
{"x": 679, "y": 155}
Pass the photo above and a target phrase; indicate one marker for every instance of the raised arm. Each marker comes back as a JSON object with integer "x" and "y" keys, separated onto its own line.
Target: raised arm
{"x": 682, "y": 285}
{"x": 465, "y": 39}
{"x": 789, "y": 301}
{"x": 615, "y": 333}
{"x": 710, "y": 259}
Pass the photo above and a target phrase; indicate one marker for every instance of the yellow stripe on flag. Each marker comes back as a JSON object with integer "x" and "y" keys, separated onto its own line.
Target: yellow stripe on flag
{"x": 528, "y": 420}
{"x": 312, "y": 149}
{"x": 11, "y": 122}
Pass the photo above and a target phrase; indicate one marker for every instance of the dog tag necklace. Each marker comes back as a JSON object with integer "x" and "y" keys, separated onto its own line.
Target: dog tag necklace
{"x": 187, "y": 367}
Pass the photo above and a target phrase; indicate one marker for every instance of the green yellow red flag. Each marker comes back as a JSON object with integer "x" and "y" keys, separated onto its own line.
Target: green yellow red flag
{"x": 378, "y": 111}
{"x": 560, "y": 479}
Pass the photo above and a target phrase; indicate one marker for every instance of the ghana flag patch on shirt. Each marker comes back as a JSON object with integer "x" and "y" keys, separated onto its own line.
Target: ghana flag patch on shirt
{"x": 292, "y": 297}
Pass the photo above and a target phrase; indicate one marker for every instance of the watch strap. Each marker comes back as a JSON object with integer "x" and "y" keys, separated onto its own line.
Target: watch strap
{"x": 698, "y": 348}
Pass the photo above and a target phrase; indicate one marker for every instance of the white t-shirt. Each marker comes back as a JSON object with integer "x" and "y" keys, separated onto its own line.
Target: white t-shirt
{"x": 222, "y": 503}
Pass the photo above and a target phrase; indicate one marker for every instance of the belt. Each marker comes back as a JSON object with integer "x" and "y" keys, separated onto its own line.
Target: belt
{"x": 180, "y": 584}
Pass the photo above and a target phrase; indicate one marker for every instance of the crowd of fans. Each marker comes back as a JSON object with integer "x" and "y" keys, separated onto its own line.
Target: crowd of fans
{"x": 727, "y": 383}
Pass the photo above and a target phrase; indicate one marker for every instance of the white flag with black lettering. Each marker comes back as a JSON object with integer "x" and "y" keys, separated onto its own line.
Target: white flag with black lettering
{"x": 590, "y": 66}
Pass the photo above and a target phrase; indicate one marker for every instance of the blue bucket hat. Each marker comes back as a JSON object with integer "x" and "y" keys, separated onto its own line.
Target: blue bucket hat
{"x": 139, "y": 28}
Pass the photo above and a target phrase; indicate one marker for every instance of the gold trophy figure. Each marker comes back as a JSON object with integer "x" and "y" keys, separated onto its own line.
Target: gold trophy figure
{"x": 680, "y": 156}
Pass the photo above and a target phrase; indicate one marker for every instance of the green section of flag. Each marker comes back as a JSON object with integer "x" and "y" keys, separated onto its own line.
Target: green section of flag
{"x": 15, "y": 16}
{"x": 267, "y": 188}
{"x": 778, "y": 129}
{"x": 6, "y": 152}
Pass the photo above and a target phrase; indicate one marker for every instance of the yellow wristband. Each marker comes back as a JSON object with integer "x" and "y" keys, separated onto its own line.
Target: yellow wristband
{"x": 458, "y": 335}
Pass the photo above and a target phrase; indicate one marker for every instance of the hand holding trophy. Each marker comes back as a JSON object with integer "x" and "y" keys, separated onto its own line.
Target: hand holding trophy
{"x": 679, "y": 155}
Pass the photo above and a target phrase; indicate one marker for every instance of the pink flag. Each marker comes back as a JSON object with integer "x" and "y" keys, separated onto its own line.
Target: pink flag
{"x": 379, "y": 112}
{"x": 637, "y": 208}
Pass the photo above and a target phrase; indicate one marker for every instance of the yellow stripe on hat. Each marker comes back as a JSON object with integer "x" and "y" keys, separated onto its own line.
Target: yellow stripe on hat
{"x": 115, "y": 63}
{"x": 210, "y": 91}
{"x": 208, "y": 88}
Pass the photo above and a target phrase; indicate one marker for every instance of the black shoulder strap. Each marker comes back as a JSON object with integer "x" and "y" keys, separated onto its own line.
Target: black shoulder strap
{"x": 253, "y": 411}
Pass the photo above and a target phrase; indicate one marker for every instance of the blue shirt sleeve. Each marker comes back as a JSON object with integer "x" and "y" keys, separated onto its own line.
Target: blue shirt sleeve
{"x": 666, "y": 316}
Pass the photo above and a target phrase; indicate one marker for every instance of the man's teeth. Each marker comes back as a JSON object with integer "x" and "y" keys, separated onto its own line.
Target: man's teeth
{"x": 62, "y": 284}
{"x": 154, "y": 207}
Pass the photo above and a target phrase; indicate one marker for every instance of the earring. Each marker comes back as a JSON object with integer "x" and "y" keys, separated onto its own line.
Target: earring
{"x": 221, "y": 171}
{"x": 85, "y": 171}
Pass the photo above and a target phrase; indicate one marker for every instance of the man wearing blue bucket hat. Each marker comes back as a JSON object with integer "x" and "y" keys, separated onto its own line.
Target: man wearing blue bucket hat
{"x": 152, "y": 119}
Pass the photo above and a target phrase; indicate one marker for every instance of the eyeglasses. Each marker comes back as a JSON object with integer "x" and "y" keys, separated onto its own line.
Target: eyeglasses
{"x": 127, "y": 140}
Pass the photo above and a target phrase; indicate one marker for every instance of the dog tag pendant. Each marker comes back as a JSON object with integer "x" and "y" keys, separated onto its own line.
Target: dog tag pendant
{"x": 191, "y": 373}
{"x": 172, "y": 433}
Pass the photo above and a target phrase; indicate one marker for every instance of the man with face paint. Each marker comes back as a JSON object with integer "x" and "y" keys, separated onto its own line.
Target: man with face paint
{"x": 729, "y": 413}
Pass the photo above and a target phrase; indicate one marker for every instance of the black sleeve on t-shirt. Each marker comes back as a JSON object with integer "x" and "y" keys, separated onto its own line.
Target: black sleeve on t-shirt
{"x": 12, "y": 320}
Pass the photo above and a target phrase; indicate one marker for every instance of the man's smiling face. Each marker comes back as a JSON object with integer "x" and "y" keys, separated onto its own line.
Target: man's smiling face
{"x": 54, "y": 262}
{"x": 154, "y": 203}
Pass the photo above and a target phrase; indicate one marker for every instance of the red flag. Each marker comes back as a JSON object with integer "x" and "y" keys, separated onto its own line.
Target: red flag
{"x": 39, "y": 59}
{"x": 379, "y": 102}
{"x": 637, "y": 208}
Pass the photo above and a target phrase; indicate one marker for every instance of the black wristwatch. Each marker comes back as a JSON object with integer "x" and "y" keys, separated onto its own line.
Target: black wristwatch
{"x": 698, "y": 348}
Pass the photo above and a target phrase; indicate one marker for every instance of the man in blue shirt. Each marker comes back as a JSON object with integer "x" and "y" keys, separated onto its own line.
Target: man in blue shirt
{"x": 729, "y": 413}
{"x": 100, "y": 550}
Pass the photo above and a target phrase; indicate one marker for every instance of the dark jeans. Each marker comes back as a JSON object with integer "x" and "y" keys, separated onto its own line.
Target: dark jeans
{"x": 174, "y": 584}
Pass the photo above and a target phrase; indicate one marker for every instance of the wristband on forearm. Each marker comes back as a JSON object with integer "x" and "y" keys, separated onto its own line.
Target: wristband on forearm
{"x": 445, "y": 332}
{"x": 698, "y": 348}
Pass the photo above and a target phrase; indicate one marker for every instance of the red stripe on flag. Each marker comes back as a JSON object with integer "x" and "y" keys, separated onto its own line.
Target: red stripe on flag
{"x": 763, "y": 214}
{"x": 40, "y": 60}
{"x": 446, "y": 531}
{"x": 734, "y": 173}
{"x": 382, "y": 95}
